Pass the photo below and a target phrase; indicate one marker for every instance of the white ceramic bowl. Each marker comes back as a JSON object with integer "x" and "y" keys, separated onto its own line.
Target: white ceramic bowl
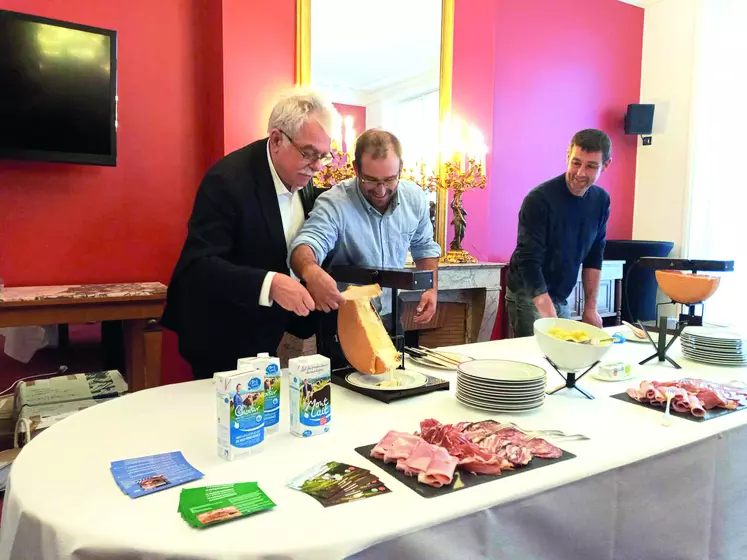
{"x": 569, "y": 356}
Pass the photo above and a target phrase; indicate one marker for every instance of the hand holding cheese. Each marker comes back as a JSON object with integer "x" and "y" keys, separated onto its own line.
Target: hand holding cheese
{"x": 322, "y": 288}
{"x": 362, "y": 335}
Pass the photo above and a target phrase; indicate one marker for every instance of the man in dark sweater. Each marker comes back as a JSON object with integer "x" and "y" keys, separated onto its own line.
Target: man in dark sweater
{"x": 562, "y": 225}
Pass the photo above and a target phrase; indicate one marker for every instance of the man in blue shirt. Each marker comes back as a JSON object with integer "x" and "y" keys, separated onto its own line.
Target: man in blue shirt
{"x": 371, "y": 220}
{"x": 562, "y": 225}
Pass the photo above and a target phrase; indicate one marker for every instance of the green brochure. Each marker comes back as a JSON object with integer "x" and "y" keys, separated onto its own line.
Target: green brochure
{"x": 209, "y": 505}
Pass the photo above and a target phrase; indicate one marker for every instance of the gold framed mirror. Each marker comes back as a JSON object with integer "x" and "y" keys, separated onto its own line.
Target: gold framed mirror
{"x": 407, "y": 91}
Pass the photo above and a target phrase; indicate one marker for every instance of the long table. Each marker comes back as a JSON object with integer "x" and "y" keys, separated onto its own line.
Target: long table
{"x": 635, "y": 490}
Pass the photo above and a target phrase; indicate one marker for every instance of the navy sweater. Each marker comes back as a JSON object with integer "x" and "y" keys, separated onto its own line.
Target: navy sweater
{"x": 558, "y": 232}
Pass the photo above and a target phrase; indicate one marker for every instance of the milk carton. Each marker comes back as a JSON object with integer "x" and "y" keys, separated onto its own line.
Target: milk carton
{"x": 271, "y": 368}
{"x": 240, "y": 400}
{"x": 310, "y": 395}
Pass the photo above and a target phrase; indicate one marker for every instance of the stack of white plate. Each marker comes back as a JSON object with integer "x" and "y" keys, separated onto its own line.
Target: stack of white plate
{"x": 501, "y": 385}
{"x": 715, "y": 345}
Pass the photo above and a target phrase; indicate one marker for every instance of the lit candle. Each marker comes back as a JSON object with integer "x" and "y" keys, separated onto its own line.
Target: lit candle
{"x": 337, "y": 133}
{"x": 477, "y": 146}
{"x": 349, "y": 134}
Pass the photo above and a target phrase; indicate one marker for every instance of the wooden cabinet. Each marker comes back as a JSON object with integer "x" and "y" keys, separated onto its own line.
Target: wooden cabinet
{"x": 610, "y": 294}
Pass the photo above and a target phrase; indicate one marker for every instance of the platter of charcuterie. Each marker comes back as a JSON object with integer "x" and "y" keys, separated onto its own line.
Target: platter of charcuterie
{"x": 693, "y": 399}
{"x": 442, "y": 458}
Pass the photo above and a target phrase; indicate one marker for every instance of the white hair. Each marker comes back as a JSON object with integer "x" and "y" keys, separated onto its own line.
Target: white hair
{"x": 296, "y": 106}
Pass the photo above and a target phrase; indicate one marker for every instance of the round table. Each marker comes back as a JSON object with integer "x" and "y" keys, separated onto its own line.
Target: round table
{"x": 62, "y": 501}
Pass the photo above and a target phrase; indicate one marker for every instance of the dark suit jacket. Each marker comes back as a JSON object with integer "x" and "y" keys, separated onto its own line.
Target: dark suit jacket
{"x": 235, "y": 235}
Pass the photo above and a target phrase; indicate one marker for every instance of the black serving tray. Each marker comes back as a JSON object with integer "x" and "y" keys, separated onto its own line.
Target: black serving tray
{"x": 462, "y": 479}
{"x": 433, "y": 384}
{"x": 710, "y": 414}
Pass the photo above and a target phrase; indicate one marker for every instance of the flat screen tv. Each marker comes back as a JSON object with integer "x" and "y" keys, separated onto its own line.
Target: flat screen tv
{"x": 57, "y": 91}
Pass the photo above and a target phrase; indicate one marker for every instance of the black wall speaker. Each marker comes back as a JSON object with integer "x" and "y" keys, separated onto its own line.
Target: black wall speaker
{"x": 639, "y": 119}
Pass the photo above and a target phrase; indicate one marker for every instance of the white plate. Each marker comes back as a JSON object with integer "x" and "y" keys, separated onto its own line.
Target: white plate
{"x": 499, "y": 402}
{"x": 712, "y": 341}
{"x": 435, "y": 365}
{"x": 630, "y": 337}
{"x": 409, "y": 380}
{"x": 715, "y": 362}
{"x": 699, "y": 356}
{"x": 501, "y": 394}
{"x": 476, "y": 381}
{"x": 687, "y": 347}
{"x": 503, "y": 397}
{"x": 502, "y": 370}
{"x": 507, "y": 385}
{"x": 497, "y": 408}
{"x": 538, "y": 388}
{"x": 597, "y": 375}
{"x": 714, "y": 347}
{"x": 714, "y": 353}
{"x": 720, "y": 334}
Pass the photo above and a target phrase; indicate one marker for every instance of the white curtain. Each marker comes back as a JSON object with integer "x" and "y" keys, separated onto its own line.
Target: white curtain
{"x": 718, "y": 201}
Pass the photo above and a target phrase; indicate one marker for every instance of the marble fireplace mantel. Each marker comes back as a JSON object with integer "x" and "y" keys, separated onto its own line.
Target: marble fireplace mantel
{"x": 476, "y": 285}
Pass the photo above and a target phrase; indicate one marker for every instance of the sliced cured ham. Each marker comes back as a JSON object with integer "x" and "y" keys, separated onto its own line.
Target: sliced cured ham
{"x": 695, "y": 396}
{"x": 387, "y": 441}
{"x": 696, "y": 408}
{"x": 487, "y": 447}
{"x": 440, "y": 471}
{"x": 420, "y": 457}
{"x": 400, "y": 448}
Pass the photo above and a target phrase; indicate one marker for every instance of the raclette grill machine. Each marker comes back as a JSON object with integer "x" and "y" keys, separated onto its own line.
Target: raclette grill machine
{"x": 328, "y": 343}
{"x": 688, "y": 319}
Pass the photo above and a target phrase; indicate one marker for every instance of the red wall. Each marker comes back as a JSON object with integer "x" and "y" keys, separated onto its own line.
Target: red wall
{"x": 81, "y": 224}
{"x": 259, "y": 57}
{"x": 540, "y": 70}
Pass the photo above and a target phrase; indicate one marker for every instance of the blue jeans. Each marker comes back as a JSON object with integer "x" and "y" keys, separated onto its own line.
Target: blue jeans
{"x": 522, "y": 313}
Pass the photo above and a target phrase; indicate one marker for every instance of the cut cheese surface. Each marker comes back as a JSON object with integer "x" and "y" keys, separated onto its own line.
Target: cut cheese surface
{"x": 362, "y": 292}
{"x": 364, "y": 340}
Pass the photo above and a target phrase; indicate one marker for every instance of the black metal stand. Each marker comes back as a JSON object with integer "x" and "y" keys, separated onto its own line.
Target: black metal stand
{"x": 661, "y": 346}
{"x": 570, "y": 381}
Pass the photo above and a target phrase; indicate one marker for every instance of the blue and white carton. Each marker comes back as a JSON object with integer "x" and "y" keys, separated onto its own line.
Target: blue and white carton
{"x": 240, "y": 398}
{"x": 271, "y": 368}
{"x": 310, "y": 395}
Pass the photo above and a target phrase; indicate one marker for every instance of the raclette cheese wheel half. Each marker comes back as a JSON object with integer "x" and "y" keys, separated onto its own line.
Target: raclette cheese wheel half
{"x": 363, "y": 338}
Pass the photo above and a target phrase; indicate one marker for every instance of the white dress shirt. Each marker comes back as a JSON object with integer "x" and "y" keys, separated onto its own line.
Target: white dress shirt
{"x": 291, "y": 212}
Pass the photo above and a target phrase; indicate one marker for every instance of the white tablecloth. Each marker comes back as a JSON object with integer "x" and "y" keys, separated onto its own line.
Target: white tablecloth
{"x": 636, "y": 490}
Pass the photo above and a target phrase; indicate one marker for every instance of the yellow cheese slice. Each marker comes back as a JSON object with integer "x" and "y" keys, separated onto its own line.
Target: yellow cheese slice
{"x": 362, "y": 292}
{"x": 364, "y": 340}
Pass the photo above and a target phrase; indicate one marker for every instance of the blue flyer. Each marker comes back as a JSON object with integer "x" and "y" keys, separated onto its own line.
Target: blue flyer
{"x": 144, "y": 475}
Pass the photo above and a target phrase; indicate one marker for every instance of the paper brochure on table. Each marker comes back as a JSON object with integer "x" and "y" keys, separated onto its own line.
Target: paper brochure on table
{"x": 332, "y": 483}
{"x": 144, "y": 475}
{"x": 210, "y": 505}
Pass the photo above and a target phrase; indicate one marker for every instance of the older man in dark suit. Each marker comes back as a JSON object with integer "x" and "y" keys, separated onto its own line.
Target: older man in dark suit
{"x": 231, "y": 294}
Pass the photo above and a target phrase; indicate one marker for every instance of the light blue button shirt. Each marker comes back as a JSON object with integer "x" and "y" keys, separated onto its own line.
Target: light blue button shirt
{"x": 343, "y": 223}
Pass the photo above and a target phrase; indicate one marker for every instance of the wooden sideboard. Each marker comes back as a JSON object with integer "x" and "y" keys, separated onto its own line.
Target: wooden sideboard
{"x": 137, "y": 305}
{"x": 609, "y": 301}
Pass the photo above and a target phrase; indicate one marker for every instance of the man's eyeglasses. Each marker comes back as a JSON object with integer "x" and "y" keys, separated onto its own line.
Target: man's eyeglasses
{"x": 309, "y": 155}
{"x": 371, "y": 182}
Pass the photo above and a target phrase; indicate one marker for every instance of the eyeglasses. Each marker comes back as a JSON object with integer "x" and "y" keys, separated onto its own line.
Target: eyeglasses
{"x": 371, "y": 182}
{"x": 309, "y": 156}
